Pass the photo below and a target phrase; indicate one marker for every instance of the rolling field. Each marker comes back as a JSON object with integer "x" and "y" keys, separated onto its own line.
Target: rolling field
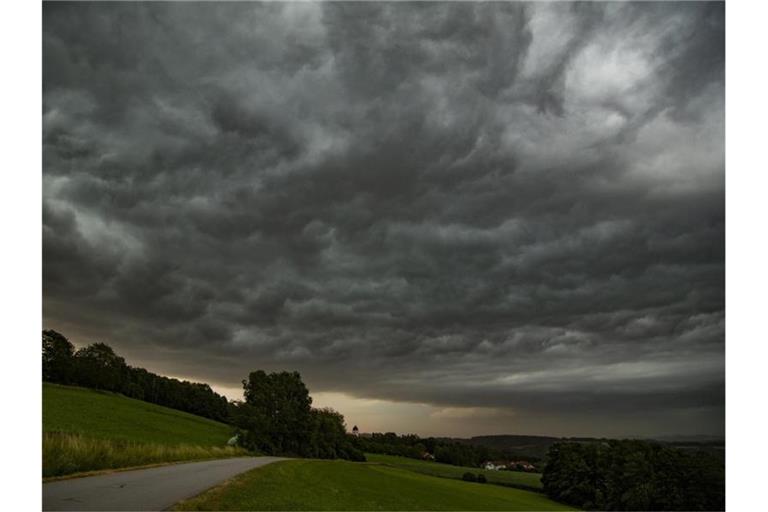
{"x": 87, "y": 430}
{"x": 107, "y": 415}
{"x": 532, "y": 480}
{"x": 342, "y": 485}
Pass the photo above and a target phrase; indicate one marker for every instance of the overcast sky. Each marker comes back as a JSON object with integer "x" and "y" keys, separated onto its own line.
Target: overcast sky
{"x": 452, "y": 219}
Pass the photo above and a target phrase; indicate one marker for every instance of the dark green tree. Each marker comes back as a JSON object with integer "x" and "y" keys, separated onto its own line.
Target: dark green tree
{"x": 277, "y": 418}
{"x": 98, "y": 366}
{"x": 279, "y": 410}
{"x": 58, "y": 358}
{"x": 329, "y": 438}
{"x": 633, "y": 475}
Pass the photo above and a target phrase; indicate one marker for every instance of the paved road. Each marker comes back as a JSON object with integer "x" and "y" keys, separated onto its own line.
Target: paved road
{"x": 145, "y": 489}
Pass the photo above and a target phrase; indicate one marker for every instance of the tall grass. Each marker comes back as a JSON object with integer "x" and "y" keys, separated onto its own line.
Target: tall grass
{"x": 66, "y": 453}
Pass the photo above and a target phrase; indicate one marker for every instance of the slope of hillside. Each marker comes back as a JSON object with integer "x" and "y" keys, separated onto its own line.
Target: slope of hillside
{"x": 107, "y": 415}
{"x": 341, "y": 485}
{"x": 86, "y": 429}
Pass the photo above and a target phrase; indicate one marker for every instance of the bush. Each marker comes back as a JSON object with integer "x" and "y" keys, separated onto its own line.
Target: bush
{"x": 481, "y": 478}
{"x": 469, "y": 477}
{"x": 353, "y": 454}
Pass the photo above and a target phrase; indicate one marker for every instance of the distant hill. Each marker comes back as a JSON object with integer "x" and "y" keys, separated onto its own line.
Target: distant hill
{"x": 537, "y": 446}
{"x": 516, "y": 441}
{"x": 516, "y": 445}
{"x": 691, "y": 439}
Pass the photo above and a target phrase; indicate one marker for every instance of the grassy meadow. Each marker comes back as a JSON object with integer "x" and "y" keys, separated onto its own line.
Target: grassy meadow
{"x": 87, "y": 430}
{"x": 342, "y": 485}
{"x": 106, "y": 415}
{"x": 511, "y": 478}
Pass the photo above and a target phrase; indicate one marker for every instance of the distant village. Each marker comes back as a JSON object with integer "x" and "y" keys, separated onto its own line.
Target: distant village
{"x": 515, "y": 465}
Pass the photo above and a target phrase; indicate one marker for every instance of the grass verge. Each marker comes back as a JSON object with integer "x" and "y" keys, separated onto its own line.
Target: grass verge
{"x": 342, "y": 485}
{"x": 66, "y": 453}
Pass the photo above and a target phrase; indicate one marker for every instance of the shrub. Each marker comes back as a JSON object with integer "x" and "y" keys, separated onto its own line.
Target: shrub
{"x": 353, "y": 454}
{"x": 469, "y": 477}
{"x": 481, "y": 478}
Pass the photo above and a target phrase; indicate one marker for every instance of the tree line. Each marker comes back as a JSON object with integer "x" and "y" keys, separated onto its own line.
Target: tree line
{"x": 98, "y": 366}
{"x": 447, "y": 451}
{"x": 275, "y": 417}
{"x": 633, "y": 475}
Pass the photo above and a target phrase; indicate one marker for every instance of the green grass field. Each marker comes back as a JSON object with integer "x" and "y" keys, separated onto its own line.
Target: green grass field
{"x": 86, "y": 430}
{"x": 532, "y": 480}
{"x": 342, "y": 485}
{"x": 107, "y": 415}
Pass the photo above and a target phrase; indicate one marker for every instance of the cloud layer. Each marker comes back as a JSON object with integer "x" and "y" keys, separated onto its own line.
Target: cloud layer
{"x": 517, "y": 207}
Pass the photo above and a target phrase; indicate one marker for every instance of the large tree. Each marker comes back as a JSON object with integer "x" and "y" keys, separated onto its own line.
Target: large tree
{"x": 58, "y": 360}
{"x": 99, "y": 367}
{"x": 279, "y": 408}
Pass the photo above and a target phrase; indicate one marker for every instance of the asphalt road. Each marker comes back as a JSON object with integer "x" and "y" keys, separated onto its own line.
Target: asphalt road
{"x": 145, "y": 489}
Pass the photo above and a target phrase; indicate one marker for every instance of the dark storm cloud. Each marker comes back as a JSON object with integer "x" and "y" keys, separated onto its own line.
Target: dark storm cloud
{"x": 513, "y": 206}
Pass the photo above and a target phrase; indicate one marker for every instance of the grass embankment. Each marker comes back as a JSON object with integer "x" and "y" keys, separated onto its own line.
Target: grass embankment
{"x": 509, "y": 478}
{"x": 87, "y": 430}
{"x": 342, "y": 485}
